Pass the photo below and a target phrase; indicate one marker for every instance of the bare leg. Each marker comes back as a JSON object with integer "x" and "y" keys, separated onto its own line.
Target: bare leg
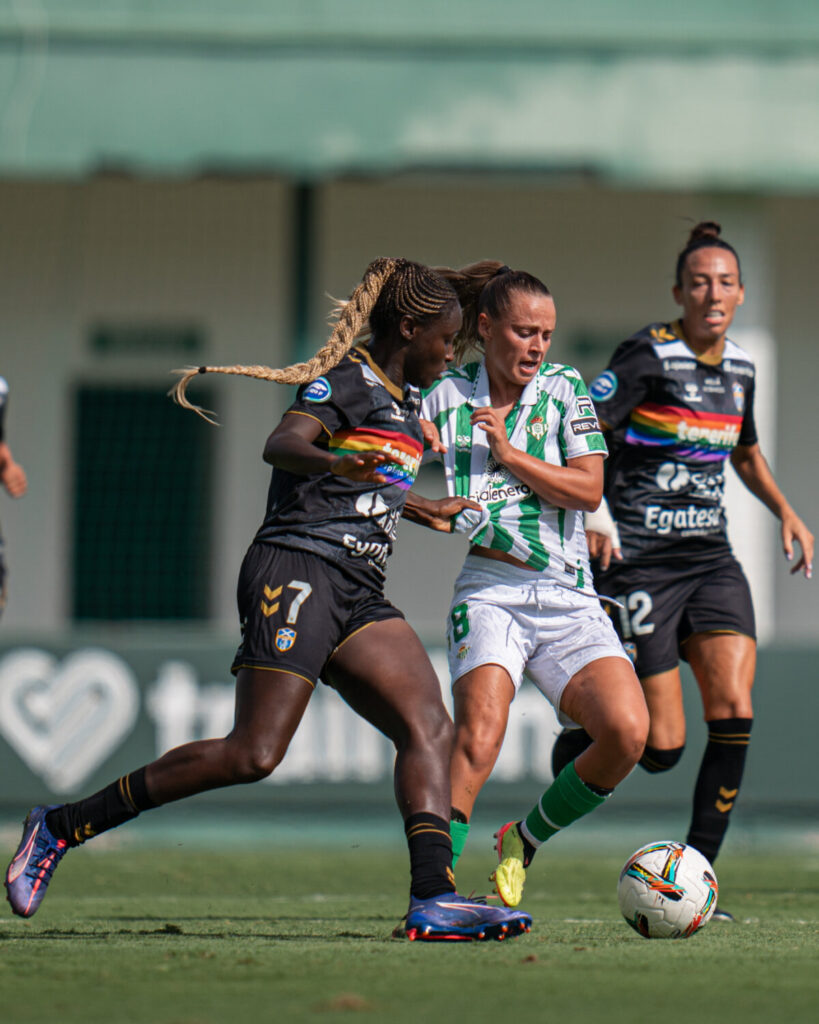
{"x": 269, "y": 707}
{"x": 482, "y": 700}
{"x": 384, "y": 674}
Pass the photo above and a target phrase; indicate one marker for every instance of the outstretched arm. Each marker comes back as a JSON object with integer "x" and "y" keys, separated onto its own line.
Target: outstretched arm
{"x": 754, "y": 471}
{"x": 436, "y": 514}
{"x": 12, "y": 474}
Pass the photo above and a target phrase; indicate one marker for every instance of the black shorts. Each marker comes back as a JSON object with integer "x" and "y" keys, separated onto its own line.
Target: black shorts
{"x": 295, "y": 608}
{"x": 666, "y": 604}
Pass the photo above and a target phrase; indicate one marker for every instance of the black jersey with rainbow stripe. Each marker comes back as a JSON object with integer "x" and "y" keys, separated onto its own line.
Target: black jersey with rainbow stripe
{"x": 350, "y": 523}
{"x": 674, "y": 421}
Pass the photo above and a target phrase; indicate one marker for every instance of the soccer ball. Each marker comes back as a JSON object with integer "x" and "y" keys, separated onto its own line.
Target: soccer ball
{"x": 667, "y": 890}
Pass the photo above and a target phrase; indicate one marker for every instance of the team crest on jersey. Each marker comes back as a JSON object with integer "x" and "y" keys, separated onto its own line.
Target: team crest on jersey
{"x": 536, "y": 427}
{"x": 738, "y": 391}
{"x": 319, "y": 391}
{"x": 463, "y": 650}
{"x": 631, "y": 650}
{"x": 285, "y": 638}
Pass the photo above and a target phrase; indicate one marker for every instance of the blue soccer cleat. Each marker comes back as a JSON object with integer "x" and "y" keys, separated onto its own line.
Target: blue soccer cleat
{"x": 453, "y": 917}
{"x": 30, "y": 871}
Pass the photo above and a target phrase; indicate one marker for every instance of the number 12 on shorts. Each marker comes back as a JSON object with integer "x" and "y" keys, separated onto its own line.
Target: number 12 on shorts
{"x": 633, "y": 611}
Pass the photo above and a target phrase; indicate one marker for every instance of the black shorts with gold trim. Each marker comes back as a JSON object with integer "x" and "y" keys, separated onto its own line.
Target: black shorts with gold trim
{"x": 296, "y": 608}
{"x": 664, "y": 605}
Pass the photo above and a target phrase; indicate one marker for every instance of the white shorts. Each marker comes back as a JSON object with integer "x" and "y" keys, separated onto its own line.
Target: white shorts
{"x": 503, "y": 615}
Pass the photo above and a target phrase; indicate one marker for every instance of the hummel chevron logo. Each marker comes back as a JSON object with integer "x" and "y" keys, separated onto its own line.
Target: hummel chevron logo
{"x": 270, "y": 609}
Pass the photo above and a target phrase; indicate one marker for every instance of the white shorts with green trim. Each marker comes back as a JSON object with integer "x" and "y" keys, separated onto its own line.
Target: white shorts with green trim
{"x": 527, "y": 623}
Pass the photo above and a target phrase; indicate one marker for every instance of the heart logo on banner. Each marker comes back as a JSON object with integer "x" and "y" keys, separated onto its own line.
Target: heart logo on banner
{"x": 64, "y": 719}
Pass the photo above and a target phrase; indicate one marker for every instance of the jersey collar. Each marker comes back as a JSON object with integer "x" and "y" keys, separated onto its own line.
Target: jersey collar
{"x": 479, "y": 398}
{"x": 393, "y": 389}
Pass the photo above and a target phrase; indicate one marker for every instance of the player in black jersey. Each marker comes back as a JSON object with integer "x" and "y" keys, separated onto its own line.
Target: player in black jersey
{"x": 311, "y": 602}
{"x": 12, "y": 477}
{"x": 677, "y": 399}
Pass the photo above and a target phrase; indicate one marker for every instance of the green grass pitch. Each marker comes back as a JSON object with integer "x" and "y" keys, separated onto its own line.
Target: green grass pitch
{"x": 189, "y": 936}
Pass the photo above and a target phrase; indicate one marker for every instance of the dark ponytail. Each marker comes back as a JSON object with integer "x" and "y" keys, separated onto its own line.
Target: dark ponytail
{"x": 705, "y": 235}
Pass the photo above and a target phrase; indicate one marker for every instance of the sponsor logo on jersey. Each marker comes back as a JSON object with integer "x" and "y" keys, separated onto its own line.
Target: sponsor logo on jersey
{"x": 741, "y": 369}
{"x": 369, "y": 549}
{"x": 692, "y": 392}
{"x": 501, "y": 493}
{"x": 585, "y": 426}
{"x": 738, "y": 391}
{"x": 319, "y": 391}
{"x": 670, "y": 365}
{"x": 688, "y": 521}
{"x": 371, "y": 504}
{"x": 536, "y": 427}
{"x": 675, "y": 476}
{"x": 604, "y": 387}
{"x": 726, "y": 437}
{"x": 713, "y": 386}
{"x": 285, "y": 638}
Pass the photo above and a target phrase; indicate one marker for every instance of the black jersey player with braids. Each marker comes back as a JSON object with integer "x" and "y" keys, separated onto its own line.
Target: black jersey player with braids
{"x": 678, "y": 401}
{"x": 311, "y": 601}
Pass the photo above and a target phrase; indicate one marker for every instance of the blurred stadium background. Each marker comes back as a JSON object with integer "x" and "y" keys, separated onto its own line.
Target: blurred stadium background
{"x": 188, "y": 182}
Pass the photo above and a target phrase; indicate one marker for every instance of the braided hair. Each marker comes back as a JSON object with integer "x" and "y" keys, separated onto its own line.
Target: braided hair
{"x": 390, "y": 289}
{"x": 705, "y": 235}
{"x": 485, "y": 287}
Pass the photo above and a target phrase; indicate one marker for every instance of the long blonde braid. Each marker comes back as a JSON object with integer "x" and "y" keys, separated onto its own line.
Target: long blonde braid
{"x": 352, "y": 318}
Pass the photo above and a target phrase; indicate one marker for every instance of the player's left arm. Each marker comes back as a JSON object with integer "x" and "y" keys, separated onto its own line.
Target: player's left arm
{"x": 753, "y": 470}
{"x": 12, "y": 474}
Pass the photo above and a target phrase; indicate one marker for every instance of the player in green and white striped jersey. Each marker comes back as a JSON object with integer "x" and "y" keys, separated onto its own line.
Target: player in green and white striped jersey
{"x": 553, "y": 420}
{"x": 520, "y": 439}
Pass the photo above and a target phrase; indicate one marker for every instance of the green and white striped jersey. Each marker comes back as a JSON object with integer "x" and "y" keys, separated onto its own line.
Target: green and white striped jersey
{"x": 553, "y": 420}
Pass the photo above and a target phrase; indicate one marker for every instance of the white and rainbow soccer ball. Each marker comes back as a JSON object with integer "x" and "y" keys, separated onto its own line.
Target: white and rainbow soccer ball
{"x": 667, "y": 890}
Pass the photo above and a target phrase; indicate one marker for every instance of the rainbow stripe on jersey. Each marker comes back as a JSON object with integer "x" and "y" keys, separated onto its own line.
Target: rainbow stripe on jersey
{"x": 685, "y": 433}
{"x": 403, "y": 452}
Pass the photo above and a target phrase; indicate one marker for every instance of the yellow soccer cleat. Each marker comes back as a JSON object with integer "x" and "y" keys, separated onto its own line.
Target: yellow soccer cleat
{"x": 510, "y": 874}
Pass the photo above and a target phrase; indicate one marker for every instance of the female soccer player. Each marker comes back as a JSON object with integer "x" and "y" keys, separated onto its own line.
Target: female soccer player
{"x": 678, "y": 399}
{"x": 311, "y": 602}
{"x": 521, "y": 440}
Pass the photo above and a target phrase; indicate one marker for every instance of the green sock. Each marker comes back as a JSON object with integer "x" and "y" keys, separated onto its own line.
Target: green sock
{"x": 567, "y": 799}
{"x": 459, "y": 830}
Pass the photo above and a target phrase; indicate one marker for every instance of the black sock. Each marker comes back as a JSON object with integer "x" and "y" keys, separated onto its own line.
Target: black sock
{"x": 569, "y": 744}
{"x": 112, "y": 806}
{"x": 456, "y": 815}
{"x": 718, "y": 783}
{"x": 430, "y": 850}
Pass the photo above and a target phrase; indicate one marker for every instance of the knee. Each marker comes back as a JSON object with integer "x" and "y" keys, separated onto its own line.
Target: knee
{"x": 626, "y": 738}
{"x": 480, "y": 743}
{"x": 655, "y": 760}
{"x": 433, "y": 730}
{"x": 253, "y": 762}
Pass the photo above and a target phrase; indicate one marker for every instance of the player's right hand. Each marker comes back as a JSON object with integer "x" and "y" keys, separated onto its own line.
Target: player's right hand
{"x": 602, "y": 548}
{"x": 363, "y": 467}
